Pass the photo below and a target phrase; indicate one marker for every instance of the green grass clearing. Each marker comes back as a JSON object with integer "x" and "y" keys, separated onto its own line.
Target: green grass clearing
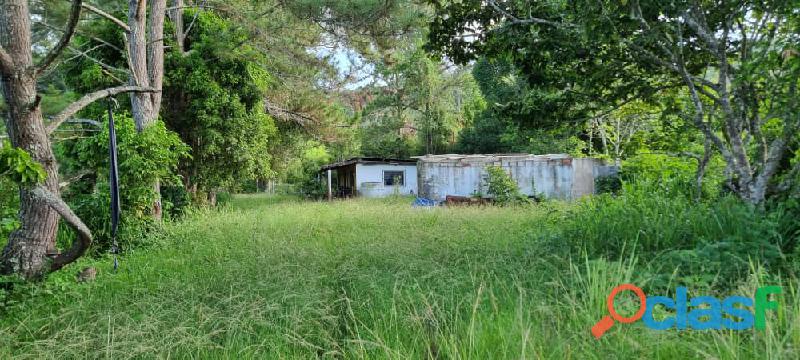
{"x": 279, "y": 278}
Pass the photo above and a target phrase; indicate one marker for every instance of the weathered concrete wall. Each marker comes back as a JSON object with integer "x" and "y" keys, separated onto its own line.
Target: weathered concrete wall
{"x": 369, "y": 180}
{"x": 554, "y": 176}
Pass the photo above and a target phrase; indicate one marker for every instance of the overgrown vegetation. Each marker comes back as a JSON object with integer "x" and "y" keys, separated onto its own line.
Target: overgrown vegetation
{"x": 502, "y": 188}
{"x": 695, "y": 101}
{"x": 379, "y": 279}
{"x": 148, "y": 156}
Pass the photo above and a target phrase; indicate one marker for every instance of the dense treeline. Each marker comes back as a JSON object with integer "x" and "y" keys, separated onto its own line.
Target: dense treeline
{"x": 215, "y": 97}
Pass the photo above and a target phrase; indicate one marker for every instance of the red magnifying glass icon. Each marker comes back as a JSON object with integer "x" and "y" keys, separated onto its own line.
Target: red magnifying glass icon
{"x": 608, "y": 321}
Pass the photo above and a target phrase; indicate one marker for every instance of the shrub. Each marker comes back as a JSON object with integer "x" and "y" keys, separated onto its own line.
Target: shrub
{"x": 224, "y": 198}
{"x": 16, "y": 167}
{"x": 673, "y": 175}
{"x": 502, "y": 188}
{"x": 175, "y": 200}
{"x": 143, "y": 158}
{"x": 9, "y": 205}
{"x": 611, "y": 184}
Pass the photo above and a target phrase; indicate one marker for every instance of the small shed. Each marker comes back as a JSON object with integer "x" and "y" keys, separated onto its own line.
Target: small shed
{"x": 557, "y": 176}
{"x": 371, "y": 177}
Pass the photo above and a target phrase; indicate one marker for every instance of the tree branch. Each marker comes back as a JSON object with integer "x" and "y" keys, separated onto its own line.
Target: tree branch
{"x": 696, "y": 20}
{"x": 108, "y": 16}
{"x": 80, "y": 245}
{"x": 515, "y": 20}
{"x": 6, "y": 62}
{"x": 72, "y": 23}
{"x": 73, "y": 108}
{"x": 289, "y": 115}
{"x": 107, "y": 69}
{"x": 106, "y": 43}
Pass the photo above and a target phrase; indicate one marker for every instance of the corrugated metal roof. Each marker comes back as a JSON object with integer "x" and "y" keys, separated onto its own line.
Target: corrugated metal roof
{"x": 489, "y": 157}
{"x": 368, "y": 160}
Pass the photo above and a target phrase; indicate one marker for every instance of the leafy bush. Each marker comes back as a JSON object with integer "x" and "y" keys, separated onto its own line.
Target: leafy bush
{"x": 175, "y": 200}
{"x": 611, "y": 184}
{"x": 143, "y": 158}
{"x": 9, "y": 205}
{"x": 224, "y": 198}
{"x": 305, "y": 173}
{"x": 502, "y": 188}
{"x": 16, "y": 167}
{"x": 673, "y": 176}
{"x": 313, "y": 188}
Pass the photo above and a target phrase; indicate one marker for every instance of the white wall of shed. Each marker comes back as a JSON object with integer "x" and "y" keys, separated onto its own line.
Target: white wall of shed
{"x": 373, "y": 173}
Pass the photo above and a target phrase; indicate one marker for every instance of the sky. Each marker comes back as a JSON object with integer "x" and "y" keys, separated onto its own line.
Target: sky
{"x": 349, "y": 63}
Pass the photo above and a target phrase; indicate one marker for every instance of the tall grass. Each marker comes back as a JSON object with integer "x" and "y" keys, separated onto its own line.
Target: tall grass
{"x": 282, "y": 278}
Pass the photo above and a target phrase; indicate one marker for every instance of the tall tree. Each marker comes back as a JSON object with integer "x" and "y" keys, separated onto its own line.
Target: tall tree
{"x": 31, "y": 250}
{"x": 739, "y": 56}
{"x": 144, "y": 38}
{"x": 146, "y": 54}
{"x": 217, "y": 106}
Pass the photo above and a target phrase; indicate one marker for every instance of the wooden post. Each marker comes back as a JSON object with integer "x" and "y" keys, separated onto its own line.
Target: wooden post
{"x": 330, "y": 188}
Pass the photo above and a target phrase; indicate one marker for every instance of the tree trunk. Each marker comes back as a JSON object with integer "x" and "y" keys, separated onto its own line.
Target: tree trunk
{"x": 28, "y": 247}
{"x": 146, "y": 54}
{"x": 41, "y": 207}
{"x": 141, "y": 104}
{"x": 212, "y": 197}
{"x": 177, "y": 20}
{"x": 155, "y": 55}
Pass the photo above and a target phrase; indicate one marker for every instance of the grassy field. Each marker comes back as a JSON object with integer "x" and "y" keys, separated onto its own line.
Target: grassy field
{"x": 276, "y": 278}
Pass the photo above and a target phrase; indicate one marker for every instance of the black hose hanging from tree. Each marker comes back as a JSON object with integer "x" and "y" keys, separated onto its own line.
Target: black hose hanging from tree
{"x": 113, "y": 183}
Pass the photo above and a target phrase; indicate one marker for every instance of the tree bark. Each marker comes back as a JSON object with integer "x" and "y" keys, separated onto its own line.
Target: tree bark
{"x": 141, "y": 106}
{"x": 27, "y": 247}
{"x": 176, "y": 14}
{"x": 30, "y": 248}
{"x": 146, "y": 54}
{"x": 155, "y": 55}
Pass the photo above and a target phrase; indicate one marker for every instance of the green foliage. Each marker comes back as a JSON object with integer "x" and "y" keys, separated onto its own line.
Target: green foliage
{"x": 502, "y": 188}
{"x": 9, "y": 206}
{"x": 143, "y": 157}
{"x": 310, "y": 181}
{"x": 175, "y": 200}
{"x": 513, "y": 119}
{"x": 17, "y": 165}
{"x": 421, "y": 108}
{"x": 583, "y": 59}
{"x": 611, "y": 184}
{"x": 674, "y": 175}
{"x": 16, "y": 168}
{"x": 213, "y": 98}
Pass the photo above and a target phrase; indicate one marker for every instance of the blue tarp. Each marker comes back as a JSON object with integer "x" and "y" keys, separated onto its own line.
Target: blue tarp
{"x": 423, "y": 202}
